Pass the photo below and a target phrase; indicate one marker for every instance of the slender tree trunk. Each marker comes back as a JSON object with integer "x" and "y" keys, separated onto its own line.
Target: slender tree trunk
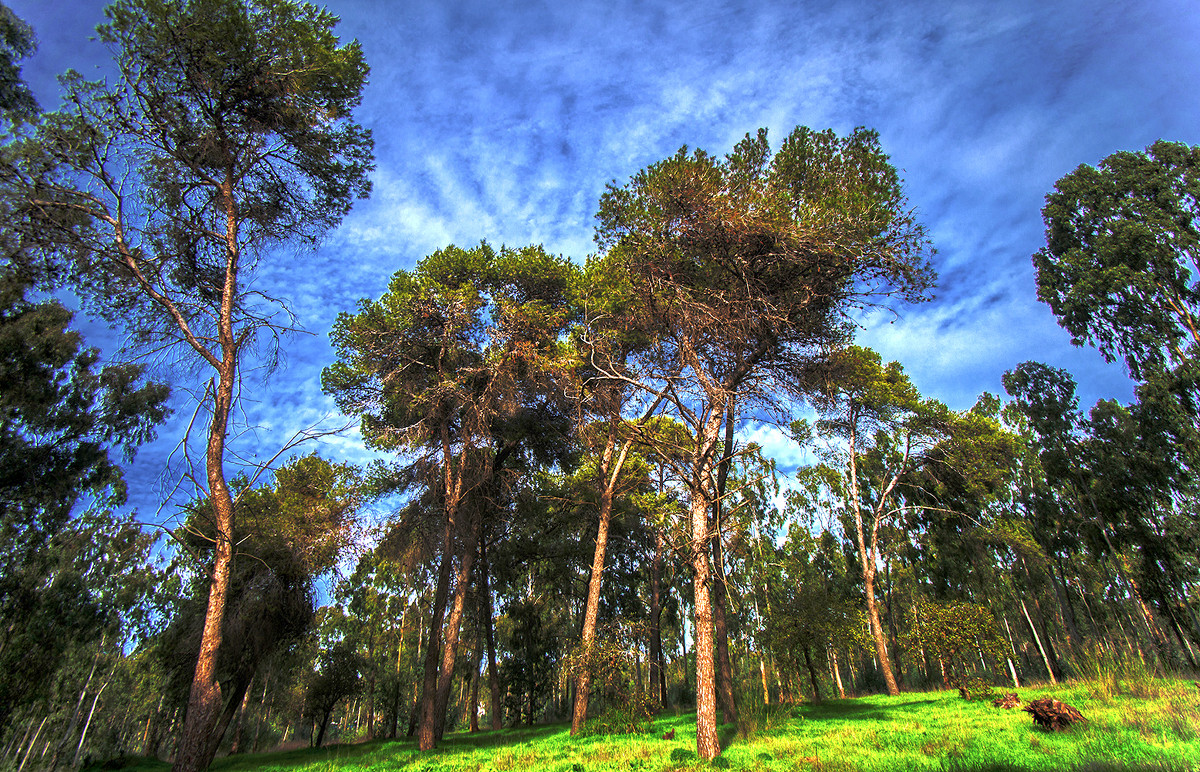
{"x": 74, "y": 722}
{"x": 1038, "y": 640}
{"x": 236, "y": 744}
{"x": 658, "y": 674}
{"x": 868, "y": 555}
{"x": 591, "y": 610}
{"x": 812, "y": 674}
{"x": 837, "y": 673}
{"x": 33, "y": 742}
{"x": 490, "y": 636}
{"x": 87, "y": 724}
{"x": 474, "y": 704}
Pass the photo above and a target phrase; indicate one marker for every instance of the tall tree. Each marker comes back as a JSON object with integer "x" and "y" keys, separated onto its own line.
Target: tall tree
{"x": 737, "y": 270}
{"x": 459, "y": 361}
{"x": 227, "y": 133}
{"x": 1122, "y": 255}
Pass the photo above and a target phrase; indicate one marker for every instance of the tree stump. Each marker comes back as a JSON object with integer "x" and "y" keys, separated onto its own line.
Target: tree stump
{"x": 1053, "y": 715}
{"x": 1008, "y": 701}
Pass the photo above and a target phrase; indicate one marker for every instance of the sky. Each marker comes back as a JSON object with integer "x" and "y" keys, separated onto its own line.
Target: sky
{"x": 504, "y": 121}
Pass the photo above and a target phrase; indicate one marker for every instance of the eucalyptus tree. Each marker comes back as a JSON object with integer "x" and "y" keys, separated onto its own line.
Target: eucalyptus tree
{"x": 226, "y": 133}
{"x": 872, "y": 406}
{"x": 460, "y": 362}
{"x": 736, "y": 270}
{"x": 1122, "y": 256}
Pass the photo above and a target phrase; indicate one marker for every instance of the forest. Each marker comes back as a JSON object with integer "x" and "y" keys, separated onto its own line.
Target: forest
{"x": 566, "y": 522}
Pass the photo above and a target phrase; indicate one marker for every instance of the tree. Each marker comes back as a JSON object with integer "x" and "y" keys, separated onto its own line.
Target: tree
{"x": 226, "y": 134}
{"x": 17, "y": 42}
{"x": 61, "y": 418}
{"x": 735, "y": 271}
{"x": 1122, "y": 255}
{"x": 459, "y": 361}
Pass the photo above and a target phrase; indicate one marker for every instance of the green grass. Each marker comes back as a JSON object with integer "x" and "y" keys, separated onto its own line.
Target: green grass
{"x": 914, "y": 731}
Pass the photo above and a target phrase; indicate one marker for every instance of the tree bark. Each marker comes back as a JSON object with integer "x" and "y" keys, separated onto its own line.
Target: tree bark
{"x": 454, "y": 628}
{"x": 725, "y": 694}
{"x": 591, "y": 609}
{"x": 708, "y": 744}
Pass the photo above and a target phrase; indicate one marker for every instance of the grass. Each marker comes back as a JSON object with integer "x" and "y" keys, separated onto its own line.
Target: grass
{"x": 914, "y": 731}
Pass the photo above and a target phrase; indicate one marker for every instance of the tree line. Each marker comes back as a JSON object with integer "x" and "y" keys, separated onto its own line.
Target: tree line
{"x": 575, "y": 517}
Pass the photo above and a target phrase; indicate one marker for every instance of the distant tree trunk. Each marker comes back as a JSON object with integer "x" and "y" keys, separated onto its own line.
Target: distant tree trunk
{"x": 837, "y": 673}
{"x": 591, "y": 610}
{"x": 29, "y": 748}
{"x": 473, "y": 705}
{"x": 612, "y": 462}
{"x": 74, "y": 722}
{"x": 370, "y": 702}
{"x": 86, "y": 725}
{"x": 236, "y": 743}
{"x": 812, "y": 674}
{"x": 658, "y": 672}
{"x": 868, "y": 554}
{"x": 324, "y": 724}
{"x": 1038, "y": 640}
{"x": 490, "y": 635}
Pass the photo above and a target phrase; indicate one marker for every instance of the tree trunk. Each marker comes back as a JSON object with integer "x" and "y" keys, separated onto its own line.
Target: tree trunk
{"x": 236, "y": 744}
{"x": 1038, "y": 640}
{"x": 658, "y": 673}
{"x": 591, "y": 610}
{"x": 490, "y": 631}
{"x": 86, "y": 725}
{"x": 474, "y": 703}
{"x": 812, "y": 674}
{"x": 837, "y": 673}
{"x": 867, "y": 556}
{"x": 232, "y": 704}
{"x": 725, "y": 696}
{"x": 453, "y": 628}
{"x": 427, "y": 729}
{"x": 708, "y": 745}
{"x": 204, "y": 699}
{"x": 29, "y": 748}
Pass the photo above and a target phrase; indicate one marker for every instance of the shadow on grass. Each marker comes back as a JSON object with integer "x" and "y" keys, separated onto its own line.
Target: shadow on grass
{"x": 856, "y": 710}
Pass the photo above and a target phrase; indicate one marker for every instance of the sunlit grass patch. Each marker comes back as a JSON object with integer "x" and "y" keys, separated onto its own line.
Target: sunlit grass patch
{"x": 922, "y": 731}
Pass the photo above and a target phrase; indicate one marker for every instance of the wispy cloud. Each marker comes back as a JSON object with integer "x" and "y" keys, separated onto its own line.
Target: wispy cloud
{"x": 504, "y": 122}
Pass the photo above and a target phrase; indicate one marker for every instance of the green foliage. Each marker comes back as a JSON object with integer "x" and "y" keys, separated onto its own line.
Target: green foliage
{"x": 17, "y": 42}
{"x": 958, "y": 633}
{"x": 1122, "y": 254}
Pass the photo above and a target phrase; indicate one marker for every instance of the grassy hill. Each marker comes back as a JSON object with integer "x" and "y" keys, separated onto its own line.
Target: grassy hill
{"x": 1155, "y": 727}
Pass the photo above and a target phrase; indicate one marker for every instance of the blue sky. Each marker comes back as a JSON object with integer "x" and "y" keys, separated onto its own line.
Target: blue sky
{"x": 504, "y": 121}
